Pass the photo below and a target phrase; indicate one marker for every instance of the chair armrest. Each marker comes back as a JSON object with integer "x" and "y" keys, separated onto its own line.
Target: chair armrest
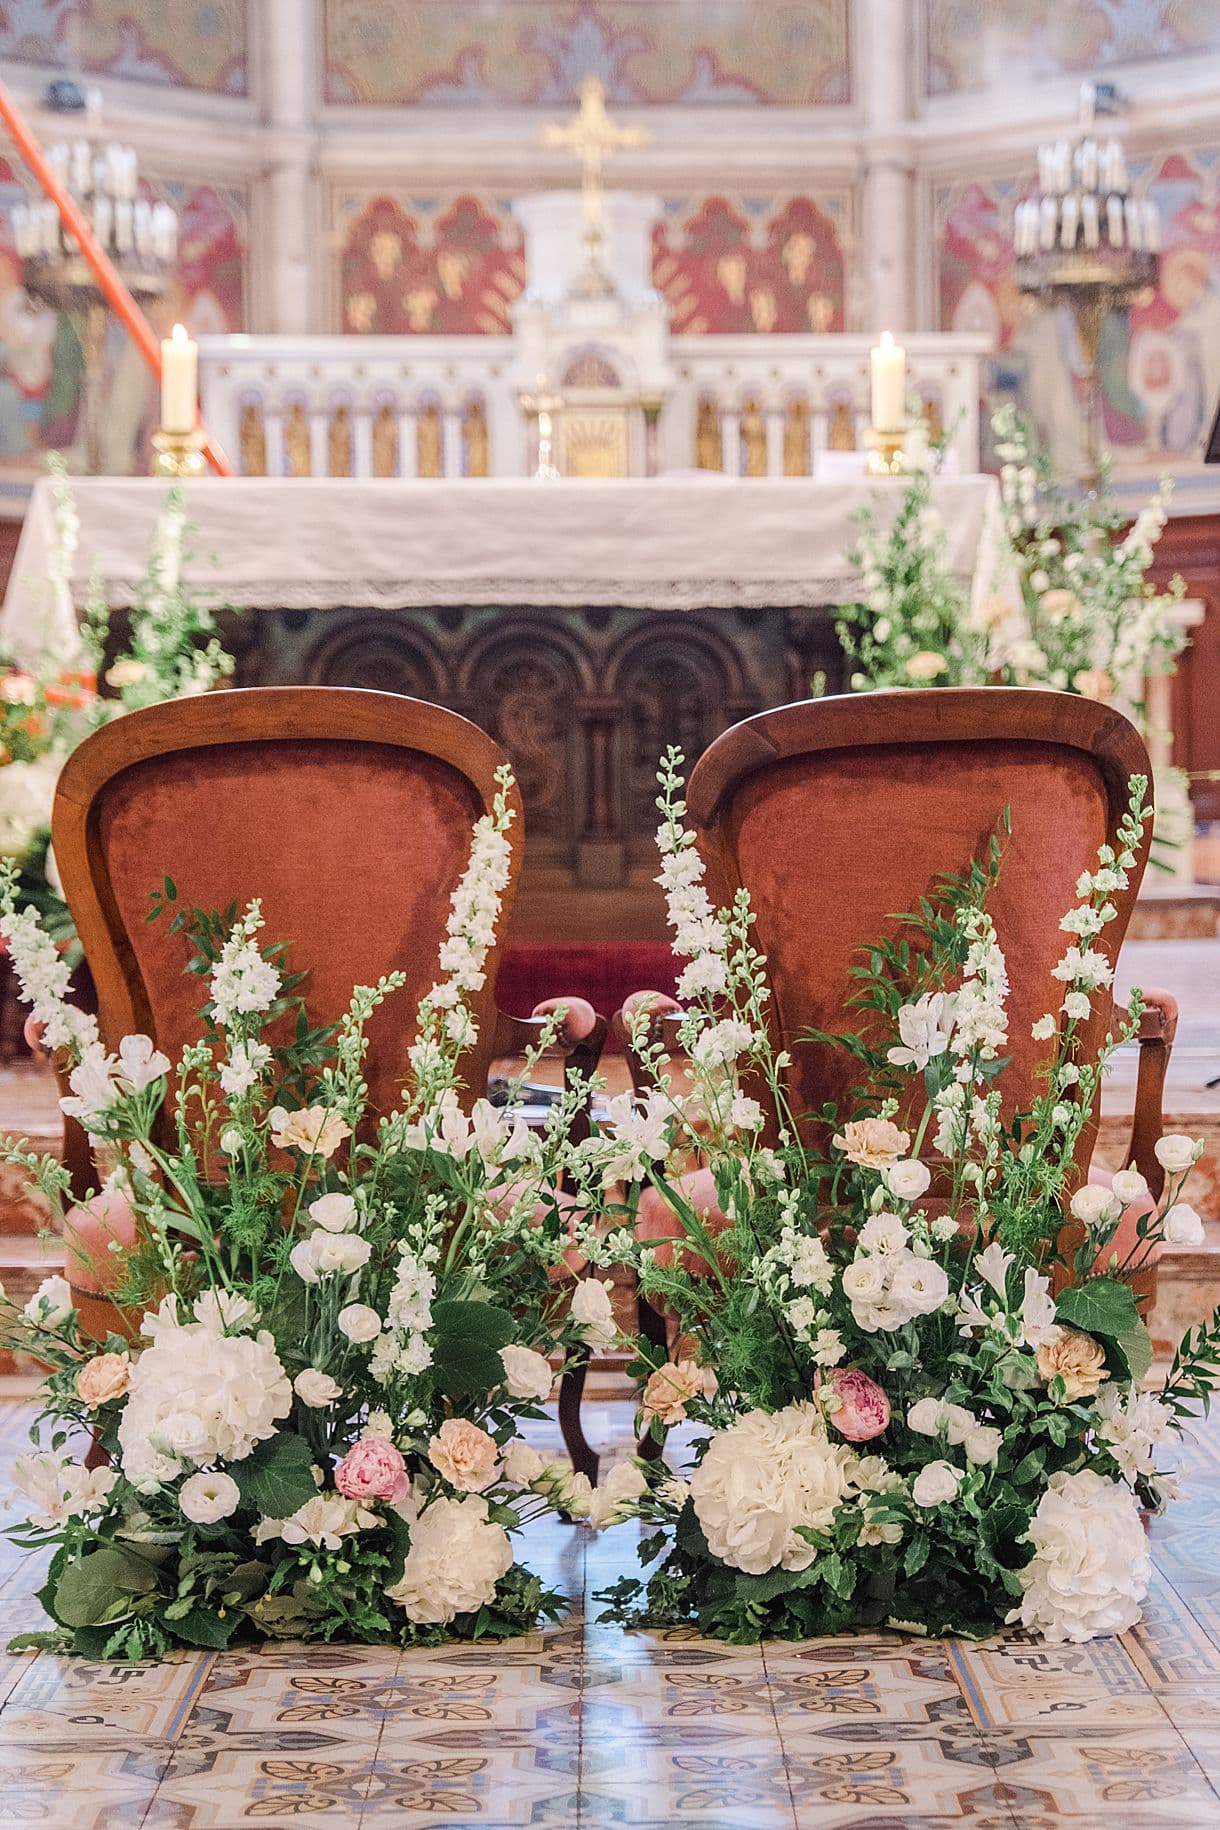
{"x": 1158, "y": 1025}
{"x": 579, "y": 1040}
{"x": 76, "y": 1152}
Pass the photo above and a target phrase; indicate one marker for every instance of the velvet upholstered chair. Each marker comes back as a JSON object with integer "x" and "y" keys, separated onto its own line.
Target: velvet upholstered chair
{"x": 836, "y": 813}
{"x": 347, "y": 813}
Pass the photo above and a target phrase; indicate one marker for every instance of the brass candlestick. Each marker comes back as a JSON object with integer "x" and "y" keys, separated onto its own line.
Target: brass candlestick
{"x": 179, "y": 455}
{"x": 887, "y": 455}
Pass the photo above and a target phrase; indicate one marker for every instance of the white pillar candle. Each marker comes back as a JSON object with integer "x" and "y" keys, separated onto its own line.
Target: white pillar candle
{"x": 179, "y": 357}
{"x": 1114, "y": 221}
{"x": 1088, "y": 165}
{"x": 1090, "y": 221}
{"x": 1135, "y": 223}
{"x": 1071, "y": 220}
{"x": 889, "y": 391}
{"x": 1049, "y": 228}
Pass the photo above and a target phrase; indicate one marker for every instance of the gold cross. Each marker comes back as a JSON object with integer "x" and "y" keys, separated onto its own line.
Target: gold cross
{"x": 593, "y": 138}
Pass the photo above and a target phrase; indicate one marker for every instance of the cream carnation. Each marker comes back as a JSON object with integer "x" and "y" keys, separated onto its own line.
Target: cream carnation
{"x": 457, "y": 1557}
{"x": 315, "y": 1130}
{"x": 762, "y": 1478}
{"x": 874, "y": 1143}
{"x": 464, "y": 1454}
{"x": 231, "y": 1387}
{"x": 103, "y": 1378}
{"x": 1090, "y": 1567}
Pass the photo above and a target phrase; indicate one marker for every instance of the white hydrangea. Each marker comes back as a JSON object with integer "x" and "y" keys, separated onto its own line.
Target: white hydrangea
{"x": 196, "y": 1397}
{"x": 457, "y": 1556}
{"x": 1091, "y": 1565}
{"x": 761, "y": 1479}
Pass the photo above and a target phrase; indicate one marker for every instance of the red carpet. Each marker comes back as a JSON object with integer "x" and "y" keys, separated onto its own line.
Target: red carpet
{"x": 604, "y": 973}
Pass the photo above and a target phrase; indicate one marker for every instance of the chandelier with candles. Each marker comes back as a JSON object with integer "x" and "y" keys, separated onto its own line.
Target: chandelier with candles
{"x": 1086, "y": 241}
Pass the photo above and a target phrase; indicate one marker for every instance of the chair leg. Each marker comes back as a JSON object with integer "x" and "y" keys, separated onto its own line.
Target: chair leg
{"x": 655, "y": 1331}
{"x": 571, "y": 1391}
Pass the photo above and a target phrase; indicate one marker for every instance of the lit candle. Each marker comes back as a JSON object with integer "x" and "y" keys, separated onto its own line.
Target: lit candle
{"x": 1089, "y": 220}
{"x": 178, "y": 381}
{"x": 1152, "y": 227}
{"x": 889, "y": 365}
{"x": 1114, "y": 221}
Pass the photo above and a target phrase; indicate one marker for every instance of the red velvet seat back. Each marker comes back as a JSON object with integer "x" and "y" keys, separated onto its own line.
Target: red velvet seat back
{"x": 838, "y": 814}
{"x": 347, "y": 813}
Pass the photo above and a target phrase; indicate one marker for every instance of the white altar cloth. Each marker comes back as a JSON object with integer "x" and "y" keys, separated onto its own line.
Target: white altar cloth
{"x": 668, "y": 543}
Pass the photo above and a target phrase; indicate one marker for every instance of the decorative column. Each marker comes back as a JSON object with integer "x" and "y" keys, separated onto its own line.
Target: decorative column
{"x": 601, "y": 856}
{"x": 291, "y": 241}
{"x": 889, "y": 183}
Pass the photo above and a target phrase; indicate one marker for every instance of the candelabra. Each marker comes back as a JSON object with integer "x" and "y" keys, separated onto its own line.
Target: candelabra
{"x": 1086, "y": 242}
{"x": 140, "y": 237}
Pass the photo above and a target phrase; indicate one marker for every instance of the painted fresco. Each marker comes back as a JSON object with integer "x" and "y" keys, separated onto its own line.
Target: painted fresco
{"x": 40, "y": 359}
{"x": 1160, "y": 363}
{"x": 980, "y": 44}
{"x": 453, "y": 266}
{"x": 186, "y": 44}
{"x": 536, "y": 51}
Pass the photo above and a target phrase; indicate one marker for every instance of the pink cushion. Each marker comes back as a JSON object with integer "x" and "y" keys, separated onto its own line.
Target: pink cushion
{"x": 577, "y": 1023}
{"x": 574, "y": 1261}
{"x": 658, "y": 1225}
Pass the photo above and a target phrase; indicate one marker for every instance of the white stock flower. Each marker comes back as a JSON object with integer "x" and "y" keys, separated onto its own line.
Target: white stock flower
{"x": 1133, "y": 1425}
{"x": 358, "y": 1323}
{"x": 925, "y": 1028}
{"x": 1044, "y": 1028}
{"x": 722, "y": 1043}
{"x": 762, "y": 1478}
{"x": 232, "y": 1386}
{"x": 57, "y": 1489}
{"x": 1091, "y": 1566}
{"x": 42, "y": 971}
{"x": 457, "y": 1556}
{"x": 593, "y": 1314}
{"x": 316, "y": 1389}
{"x": 527, "y": 1374}
{"x": 1084, "y": 968}
{"x": 1076, "y": 1006}
{"x": 936, "y": 1484}
{"x": 1182, "y": 1225}
{"x": 207, "y": 1498}
{"x": 1094, "y": 1204}
{"x": 639, "y": 1131}
{"x": 246, "y": 1062}
{"x": 51, "y": 1304}
{"x": 1176, "y": 1152}
{"x": 243, "y": 983}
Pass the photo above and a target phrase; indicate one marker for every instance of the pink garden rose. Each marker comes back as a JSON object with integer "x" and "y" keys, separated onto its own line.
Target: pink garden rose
{"x": 863, "y": 1410}
{"x": 373, "y": 1469}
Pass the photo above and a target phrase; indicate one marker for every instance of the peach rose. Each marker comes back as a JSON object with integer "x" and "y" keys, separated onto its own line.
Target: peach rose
{"x": 1094, "y": 683}
{"x": 670, "y": 1389}
{"x": 926, "y": 665}
{"x": 103, "y": 1378}
{"x": 1075, "y": 1358}
{"x": 1059, "y": 603}
{"x": 465, "y": 1455}
{"x": 874, "y": 1143}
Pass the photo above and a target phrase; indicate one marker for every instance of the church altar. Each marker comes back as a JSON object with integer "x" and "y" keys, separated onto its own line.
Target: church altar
{"x": 583, "y": 624}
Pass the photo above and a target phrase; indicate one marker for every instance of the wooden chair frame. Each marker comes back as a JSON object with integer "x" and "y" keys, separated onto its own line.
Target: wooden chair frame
{"x": 290, "y": 714}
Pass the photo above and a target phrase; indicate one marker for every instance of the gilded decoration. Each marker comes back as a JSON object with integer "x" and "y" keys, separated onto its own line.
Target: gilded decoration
{"x": 793, "y": 52}
{"x": 191, "y": 44}
{"x": 975, "y": 44}
{"x": 1160, "y": 362}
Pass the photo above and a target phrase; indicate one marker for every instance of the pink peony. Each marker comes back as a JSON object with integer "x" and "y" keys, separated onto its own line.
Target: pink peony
{"x": 373, "y": 1469}
{"x": 863, "y": 1410}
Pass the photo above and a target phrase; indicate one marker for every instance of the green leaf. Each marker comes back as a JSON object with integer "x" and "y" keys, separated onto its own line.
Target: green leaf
{"x": 200, "y": 1627}
{"x": 1136, "y": 1349}
{"x": 467, "y": 1338}
{"x": 483, "y": 1322}
{"x": 277, "y": 1477}
{"x": 1100, "y": 1305}
{"x": 101, "y": 1585}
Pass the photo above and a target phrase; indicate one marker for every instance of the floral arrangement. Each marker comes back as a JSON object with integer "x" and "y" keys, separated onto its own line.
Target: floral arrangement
{"x": 172, "y": 650}
{"x": 339, "y": 1319}
{"x": 912, "y": 1348}
{"x": 1076, "y": 611}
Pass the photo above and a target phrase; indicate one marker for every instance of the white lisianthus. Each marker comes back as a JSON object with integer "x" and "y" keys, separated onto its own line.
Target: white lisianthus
{"x": 907, "y": 1179}
{"x": 231, "y": 1386}
{"x": 56, "y": 1489}
{"x": 231, "y": 1140}
{"x": 616, "y": 1498}
{"x": 1091, "y": 1566}
{"x": 936, "y": 1484}
{"x": 982, "y": 1444}
{"x": 527, "y": 1374}
{"x": 1176, "y": 1152}
{"x": 456, "y": 1558}
{"x": 51, "y": 1304}
{"x": 522, "y": 1463}
{"x": 883, "y": 1233}
{"x": 207, "y": 1498}
{"x": 326, "y": 1254}
{"x": 316, "y": 1389}
{"x": 335, "y": 1213}
{"x": 761, "y": 1479}
{"x": 1094, "y": 1204}
{"x": 358, "y": 1323}
{"x": 593, "y": 1314}
{"x": 944, "y": 1227}
{"x": 323, "y": 1521}
{"x": 919, "y": 1286}
{"x": 1182, "y": 1225}
{"x": 1129, "y": 1185}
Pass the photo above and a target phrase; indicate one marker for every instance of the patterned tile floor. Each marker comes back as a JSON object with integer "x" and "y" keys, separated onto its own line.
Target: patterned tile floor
{"x": 588, "y": 1726}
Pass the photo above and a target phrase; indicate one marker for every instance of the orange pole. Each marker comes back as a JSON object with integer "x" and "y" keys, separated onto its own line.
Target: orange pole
{"x": 108, "y": 277}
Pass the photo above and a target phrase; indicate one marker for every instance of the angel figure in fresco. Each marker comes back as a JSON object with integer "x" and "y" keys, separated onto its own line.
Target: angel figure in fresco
{"x": 252, "y": 441}
{"x": 385, "y": 441}
{"x": 474, "y": 438}
{"x": 339, "y": 443}
{"x": 428, "y": 442}
{"x": 796, "y": 437}
{"x": 296, "y": 441}
{"x": 27, "y": 340}
{"x": 708, "y": 448}
{"x": 753, "y": 439}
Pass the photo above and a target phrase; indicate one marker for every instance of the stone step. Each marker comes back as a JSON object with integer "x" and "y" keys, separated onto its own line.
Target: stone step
{"x": 1187, "y": 1290}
